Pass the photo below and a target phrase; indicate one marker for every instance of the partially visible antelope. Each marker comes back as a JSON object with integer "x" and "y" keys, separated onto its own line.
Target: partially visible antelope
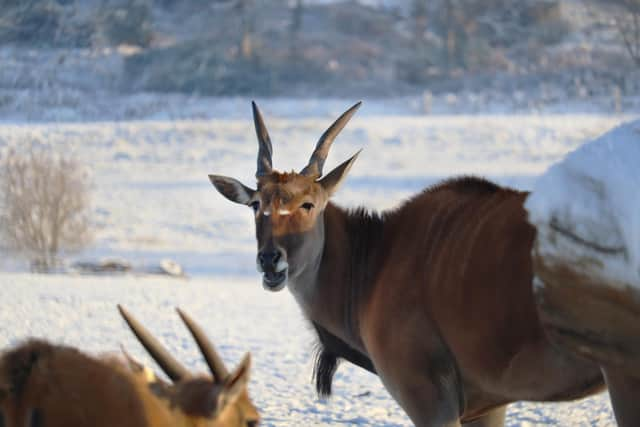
{"x": 435, "y": 296}
{"x": 47, "y": 385}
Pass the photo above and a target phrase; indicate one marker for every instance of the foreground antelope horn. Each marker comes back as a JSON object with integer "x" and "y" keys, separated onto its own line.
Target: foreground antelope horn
{"x": 319, "y": 155}
{"x": 163, "y": 358}
{"x": 208, "y": 350}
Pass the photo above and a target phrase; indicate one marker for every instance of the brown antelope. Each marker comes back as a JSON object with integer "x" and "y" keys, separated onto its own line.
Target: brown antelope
{"x": 434, "y": 296}
{"x": 46, "y": 385}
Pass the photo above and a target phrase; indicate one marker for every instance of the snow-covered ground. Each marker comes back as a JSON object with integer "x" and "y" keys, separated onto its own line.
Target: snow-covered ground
{"x": 152, "y": 200}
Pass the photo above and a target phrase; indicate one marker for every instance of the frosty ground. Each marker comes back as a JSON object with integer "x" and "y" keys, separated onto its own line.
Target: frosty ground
{"x": 152, "y": 200}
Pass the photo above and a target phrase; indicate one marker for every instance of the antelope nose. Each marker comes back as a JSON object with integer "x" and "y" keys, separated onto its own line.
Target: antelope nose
{"x": 269, "y": 259}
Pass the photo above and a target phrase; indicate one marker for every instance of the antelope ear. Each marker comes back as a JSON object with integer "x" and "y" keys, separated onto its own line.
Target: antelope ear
{"x": 132, "y": 363}
{"x": 232, "y": 189}
{"x": 138, "y": 368}
{"x": 236, "y": 382}
{"x": 331, "y": 181}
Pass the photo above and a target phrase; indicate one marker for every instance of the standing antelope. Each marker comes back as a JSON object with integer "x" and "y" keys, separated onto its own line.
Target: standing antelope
{"x": 46, "y": 385}
{"x": 434, "y": 296}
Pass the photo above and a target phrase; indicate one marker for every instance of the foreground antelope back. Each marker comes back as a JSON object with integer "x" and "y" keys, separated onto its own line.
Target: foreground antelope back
{"x": 47, "y": 385}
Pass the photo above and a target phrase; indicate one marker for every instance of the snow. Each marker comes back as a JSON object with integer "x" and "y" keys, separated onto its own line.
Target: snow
{"x": 593, "y": 194}
{"x": 152, "y": 200}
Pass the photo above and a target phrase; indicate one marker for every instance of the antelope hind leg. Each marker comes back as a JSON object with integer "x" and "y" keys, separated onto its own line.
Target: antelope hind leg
{"x": 624, "y": 391}
{"x": 495, "y": 418}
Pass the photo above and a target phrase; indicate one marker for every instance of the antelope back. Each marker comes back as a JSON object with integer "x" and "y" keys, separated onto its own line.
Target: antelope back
{"x": 42, "y": 384}
{"x": 47, "y": 385}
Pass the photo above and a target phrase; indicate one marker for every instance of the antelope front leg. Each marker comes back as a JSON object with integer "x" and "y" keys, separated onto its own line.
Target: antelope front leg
{"x": 417, "y": 370}
{"x": 624, "y": 391}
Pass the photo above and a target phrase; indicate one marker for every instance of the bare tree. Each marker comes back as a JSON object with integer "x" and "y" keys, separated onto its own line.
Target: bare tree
{"x": 44, "y": 205}
{"x": 628, "y": 25}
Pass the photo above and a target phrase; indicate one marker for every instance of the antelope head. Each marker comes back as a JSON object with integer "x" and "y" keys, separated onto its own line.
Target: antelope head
{"x": 216, "y": 400}
{"x": 288, "y": 207}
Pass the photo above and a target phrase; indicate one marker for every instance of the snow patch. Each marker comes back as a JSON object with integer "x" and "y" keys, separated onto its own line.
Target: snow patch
{"x": 589, "y": 204}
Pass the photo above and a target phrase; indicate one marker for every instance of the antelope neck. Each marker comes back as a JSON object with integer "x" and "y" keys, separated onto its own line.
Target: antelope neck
{"x": 334, "y": 289}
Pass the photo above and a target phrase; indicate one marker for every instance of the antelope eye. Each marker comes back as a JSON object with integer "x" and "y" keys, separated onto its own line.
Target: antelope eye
{"x": 255, "y": 205}
{"x": 307, "y": 206}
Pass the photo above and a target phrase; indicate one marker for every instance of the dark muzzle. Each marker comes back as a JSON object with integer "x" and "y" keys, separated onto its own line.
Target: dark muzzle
{"x": 274, "y": 268}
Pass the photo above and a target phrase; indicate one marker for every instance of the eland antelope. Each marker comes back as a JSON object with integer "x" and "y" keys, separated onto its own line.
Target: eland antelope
{"x": 47, "y": 385}
{"x": 435, "y": 296}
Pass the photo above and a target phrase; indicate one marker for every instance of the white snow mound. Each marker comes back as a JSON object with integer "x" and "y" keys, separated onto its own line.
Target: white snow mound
{"x": 588, "y": 205}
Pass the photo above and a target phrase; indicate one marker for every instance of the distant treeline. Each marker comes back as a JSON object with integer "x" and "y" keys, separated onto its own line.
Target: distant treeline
{"x": 228, "y": 47}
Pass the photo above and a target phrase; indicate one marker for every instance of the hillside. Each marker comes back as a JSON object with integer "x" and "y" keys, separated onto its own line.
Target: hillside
{"x": 524, "y": 56}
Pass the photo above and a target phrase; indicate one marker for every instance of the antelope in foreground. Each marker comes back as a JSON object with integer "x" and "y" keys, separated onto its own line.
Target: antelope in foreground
{"x": 46, "y": 385}
{"x": 435, "y": 296}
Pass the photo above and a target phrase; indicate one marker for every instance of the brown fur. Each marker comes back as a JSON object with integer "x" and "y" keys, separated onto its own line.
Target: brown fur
{"x": 453, "y": 262}
{"x": 469, "y": 282}
{"x": 69, "y": 388}
{"x": 439, "y": 288}
{"x": 58, "y": 386}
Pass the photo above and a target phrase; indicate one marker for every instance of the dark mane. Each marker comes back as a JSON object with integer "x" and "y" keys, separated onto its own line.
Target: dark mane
{"x": 329, "y": 351}
{"x": 364, "y": 229}
{"x": 325, "y": 364}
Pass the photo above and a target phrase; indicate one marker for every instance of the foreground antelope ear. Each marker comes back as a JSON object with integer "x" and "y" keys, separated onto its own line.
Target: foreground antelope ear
{"x": 333, "y": 179}
{"x": 236, "y": 382}
{"x": 133, "y": 364}
{"x": 232, "y": 189}
{"x": 137, "y": 368}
